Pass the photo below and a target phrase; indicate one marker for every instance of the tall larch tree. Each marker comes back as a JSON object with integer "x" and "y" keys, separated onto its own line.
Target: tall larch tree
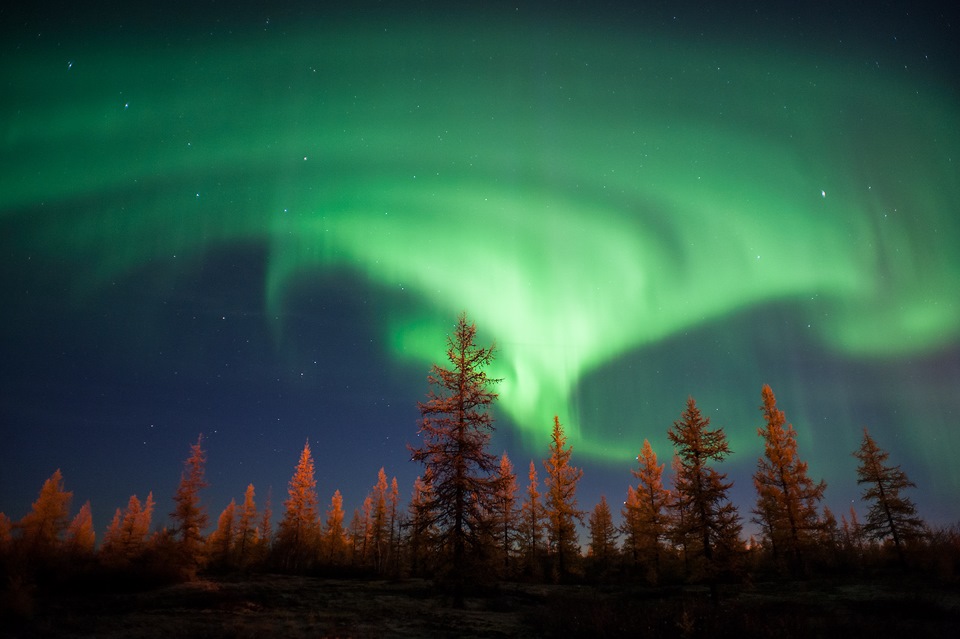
{"x": 189, "y": 515}
{"x": 42, "y": 528}
{"x": 603, "y": 536}
{"x": 647, "y": 517}
{"x": 265, "y": 527}
{"x": 298, "y": 535}
{"x": 532, "y": 523}
{"x": 247, "y": 527}
{"x": 707, "y": 520}
{"x": 378, "y": 524}
{"x": 787, "y": 499}
{"x": 455, "y": 432}
{"x": 562, "y": 513}
{"x": 505, "y": 512}
{"x": 892, "y": 515}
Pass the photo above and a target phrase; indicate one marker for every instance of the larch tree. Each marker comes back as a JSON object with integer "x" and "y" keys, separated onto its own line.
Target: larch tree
{"x": 647, "y": 513}
{"x": 189, "y": 515}
{"x": 265, "y": 527}
{"x": 505, "y": 512}
{"x": 707, "y": 520}
{"x": 126, "y": 537}
{"x": 603, "y": 535}
{"x": 378, "y": 524}
{"x": 532, "y": 523}
{"x": 562, "y": 513}
{"x": 422, "y": 529}
{"x": 247, "y": 527}
{"x": 81, "y": 539}
{"x": 892, "y": 515}
{"x": 43, "y": 527}
{"x": 335, "y": 536}
{"x": 455, "y": 432}
{"x": 220, "y": 544}
{"x": 787, "y": 499}
{"x": 298, "y": 535}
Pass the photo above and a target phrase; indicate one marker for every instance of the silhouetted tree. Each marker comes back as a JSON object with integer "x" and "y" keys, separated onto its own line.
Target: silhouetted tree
{"x": 42, "y": 528}
{"x": 455, "y": 431}
{"x": 298, "y": 535}
{"x": 706, "y": 519}
{"x": 561, "y": 508}
{"x": 787, "y": 499}
{"x": 891, "y": 514}
{"x": 189, "y": 515}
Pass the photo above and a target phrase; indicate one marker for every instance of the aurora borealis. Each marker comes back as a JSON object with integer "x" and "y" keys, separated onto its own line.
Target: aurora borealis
{"x": 264, "y": 230}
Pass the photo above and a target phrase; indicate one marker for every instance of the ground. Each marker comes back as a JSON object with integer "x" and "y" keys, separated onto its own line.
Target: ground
{"x": 294, "y": 606}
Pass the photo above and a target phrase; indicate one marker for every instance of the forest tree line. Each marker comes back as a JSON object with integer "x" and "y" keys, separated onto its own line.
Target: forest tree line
{"x": 469, "y": 521}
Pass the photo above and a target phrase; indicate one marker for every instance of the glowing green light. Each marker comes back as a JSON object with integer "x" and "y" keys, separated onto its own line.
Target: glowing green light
{"x": 575, "y": 212}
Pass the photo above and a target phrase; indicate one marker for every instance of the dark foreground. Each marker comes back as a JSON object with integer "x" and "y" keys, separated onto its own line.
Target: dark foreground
{"x": 288, "y": 606}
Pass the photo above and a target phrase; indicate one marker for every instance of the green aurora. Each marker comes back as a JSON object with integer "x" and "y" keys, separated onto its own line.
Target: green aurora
{"x": 581, "y": 197}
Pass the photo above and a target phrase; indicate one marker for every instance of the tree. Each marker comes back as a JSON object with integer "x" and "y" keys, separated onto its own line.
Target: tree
{"x": 505, "y": 511}
{"x": 221, "y": 542}
{"x": 646, "y": 513}
{"x": 707, "y": 520}
{"x": 787, "y": 499}
{"x": 335, "y": 537}
{"x": 189, "y": 515}
{"x": 246, "y": 527}
{"x": 455, "y": 431}
{"x": 891, "y": 515}
{"x": 298, "y": 535}
{"x": 378, "y": 525}
{"x": 422, "y": 529}
{"x": 126, "y": 538}
{"x": 603, "y": 535}
{"x": 81, "y": 538}
{"x": 265, "y": 529}
{"x": 531, "y": 528}
{"x": 42, "y": 528}
{"x": 562, "y": 513}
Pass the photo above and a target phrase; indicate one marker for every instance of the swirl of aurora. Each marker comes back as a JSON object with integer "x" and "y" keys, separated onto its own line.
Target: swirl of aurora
{"x": 578, "y": 202}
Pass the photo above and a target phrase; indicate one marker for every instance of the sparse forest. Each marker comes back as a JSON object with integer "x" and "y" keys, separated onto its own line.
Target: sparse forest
{"x": 471, "y": 525}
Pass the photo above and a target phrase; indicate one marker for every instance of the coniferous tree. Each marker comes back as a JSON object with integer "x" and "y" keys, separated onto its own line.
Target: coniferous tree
{"x": 787, "y": 499}
{"x": 891, "y": 515}
{"x": 378, "y": 525}
{"x": 532, "y": 526}
{"x": 265, "y": 528}
{"x": 422, "y": 530}
{"x": 42, "y": 528}
{"x": 247, "y": 527}
{"x": 80, "y": 539}
{"x": 189, "y": 515}
{"x": 505, "y": 512}
{"x": 561, "y": 507}
{"x": 455, "y": 431}
{"x": 220, "y": 544}
{"x": 646, "y": 514}
{"x": 298, "y": 535}
{"x": 603, "y": 536}
{"x": 335, "y": 536}
{"x": 707, "y": 520}
{"x": 126, "y": 538}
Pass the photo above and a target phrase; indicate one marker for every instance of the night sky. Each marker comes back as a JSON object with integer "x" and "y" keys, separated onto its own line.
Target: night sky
{"x": 261, "y": 224}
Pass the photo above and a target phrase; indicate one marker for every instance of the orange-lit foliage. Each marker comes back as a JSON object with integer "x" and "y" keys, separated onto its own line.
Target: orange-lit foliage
{"x": 298, "y": 536}
{"x": 787, "y": 499}
{"x": 189, "y": 515}
{"x": 42, "y": 528}
{"x": 561, "y": 508}
{"x": 646, "y": 514}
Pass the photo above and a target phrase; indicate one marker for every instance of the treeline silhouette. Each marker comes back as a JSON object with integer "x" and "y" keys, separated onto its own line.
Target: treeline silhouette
{"x": 468, "y": 523}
